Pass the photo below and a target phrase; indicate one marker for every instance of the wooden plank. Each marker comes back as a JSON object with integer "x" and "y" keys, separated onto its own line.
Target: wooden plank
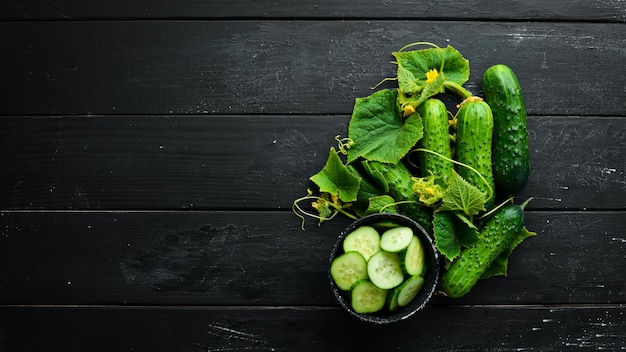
{"x": 257, "y": 162}
{"x": 308, "y": 67}
{"x": 581, "y": 10}
{"x": 198, "y": 329}
{"x": 265, "y": 258}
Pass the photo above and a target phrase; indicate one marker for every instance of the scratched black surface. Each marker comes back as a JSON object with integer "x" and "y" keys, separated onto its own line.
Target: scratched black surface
{"x": 151, "y": 151}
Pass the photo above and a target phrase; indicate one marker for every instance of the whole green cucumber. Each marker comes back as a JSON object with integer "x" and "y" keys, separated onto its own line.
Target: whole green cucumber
{"x": 493, "y": 239}
{"x": 436, "y": 138}
{"x": 511, "y": 154}
{"x": 474, "y": 132}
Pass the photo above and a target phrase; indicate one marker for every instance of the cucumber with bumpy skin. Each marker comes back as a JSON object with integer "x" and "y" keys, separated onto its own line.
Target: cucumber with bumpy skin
{"x": 474, "y": 133}
{"x": 493, "y": 239}
{"x": 511, "y": 154}
{"x": 436, "y": 138}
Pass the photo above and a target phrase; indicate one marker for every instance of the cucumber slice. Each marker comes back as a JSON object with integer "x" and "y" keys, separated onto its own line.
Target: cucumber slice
{"x": 396, "y": 239}
{"x": 367, "y": 297}
{"x": 392, "y": 299}
{"x": 364, "y": 239}
{"x": 414, "y": 261}
{"x": 409, "y": 290}
{"x": 384, "y": 269}
{"x": 347, "y": 269}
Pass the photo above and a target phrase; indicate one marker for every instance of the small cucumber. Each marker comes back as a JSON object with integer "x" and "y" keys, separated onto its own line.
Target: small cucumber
{"x": 474, "y": 131}
{"x": 364, "y": 239}
{"x": 511, "y": 154}
{"x": 494, "y": 238}
{"x": 436, "y": 138}
{"x": 385, "y": 270}
{"x": 347, "y": 269}
{"x": 396, "y": 239}
{"x": 366, "y": 297}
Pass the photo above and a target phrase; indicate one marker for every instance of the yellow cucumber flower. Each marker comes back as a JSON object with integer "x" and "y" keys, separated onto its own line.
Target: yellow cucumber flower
{"x": 431, "y": 75}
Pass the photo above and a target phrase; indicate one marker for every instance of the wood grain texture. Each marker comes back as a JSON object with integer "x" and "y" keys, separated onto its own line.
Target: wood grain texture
{"x": 285, "y": 67}
{"x": 596, "y": 10}
{"x": 196, "y": 329}
{"x": 257, "y": 162}
{"x": 151, "y": 151}
{"x": 265, "y": 258}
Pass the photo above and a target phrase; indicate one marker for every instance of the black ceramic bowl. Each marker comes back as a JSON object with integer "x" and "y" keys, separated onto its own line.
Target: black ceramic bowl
{"x": 431, "y": 276}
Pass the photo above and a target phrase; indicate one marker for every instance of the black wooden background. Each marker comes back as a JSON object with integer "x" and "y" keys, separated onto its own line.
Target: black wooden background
{"x": 151, "y": 151}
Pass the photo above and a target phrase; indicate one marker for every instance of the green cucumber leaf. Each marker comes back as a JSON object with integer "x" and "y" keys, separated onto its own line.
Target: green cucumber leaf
{"x": 500, "y": 264}
{"x": 367, "y": 190}
{"x": 382, "y": 204}
{"x": 336, "y": 179}
{"x": 376, "y": 176}
{"x": 466, "y": 231}
{"x": 444, "y": 234}
{"x": 452, "y": 231}
{"x": 379, "y": 132}
{"x": 418, "y": 62}
{"x": 461, "y": 195}
{"x": 429, "y": 89}
{"x": 407, "y": 82}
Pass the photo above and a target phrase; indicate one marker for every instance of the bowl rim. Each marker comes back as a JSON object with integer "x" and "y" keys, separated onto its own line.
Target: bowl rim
{"x": 432, "y": 279}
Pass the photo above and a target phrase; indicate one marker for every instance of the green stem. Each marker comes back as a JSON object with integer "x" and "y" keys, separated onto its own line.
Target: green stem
{"x": 457, "y": 89}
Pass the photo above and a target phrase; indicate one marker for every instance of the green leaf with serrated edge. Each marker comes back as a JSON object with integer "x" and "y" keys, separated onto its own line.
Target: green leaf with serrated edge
{"x": 368, "y": 189}
{"x": 466, "y": 232}
{"x": 445, "y": 238}
{"x": 336, "y": 179}
{"x": 460, "y": 195}
{"x": 407, "y": 82}
{"x": 429, "y": 90}
{"x": 379, "y": 132}
{"x": 376, "y": 177}
{"x": 382, "y": 204}
{"x": 418, "y": 62}
{"x": 500, "y": 265}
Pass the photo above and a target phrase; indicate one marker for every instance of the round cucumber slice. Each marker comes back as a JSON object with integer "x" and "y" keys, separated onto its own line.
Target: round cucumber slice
{"x": 396, "y": 239}
{"x": 364, "y": 239}
{"x": 367, "y": 297}
{"x": 347, "y": 269}
{"x": 384, "y": 269}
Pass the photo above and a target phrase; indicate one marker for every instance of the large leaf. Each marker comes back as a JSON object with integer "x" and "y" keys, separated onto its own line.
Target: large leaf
{"x": 461, "y": 195}
{"x": 336, "y": 179}
{"x": 418, "y": 62}
{"x": 379, "y": 132}
{"x": 382, "y": 204}
{"x": 443, "y": 231}
{"x": 367, "y": 190}
{"x": 452, "y": 233}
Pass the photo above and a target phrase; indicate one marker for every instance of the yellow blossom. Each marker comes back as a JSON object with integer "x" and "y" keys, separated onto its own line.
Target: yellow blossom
{"x": 408, "y": 110}
{"x": 431, "y": 75}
